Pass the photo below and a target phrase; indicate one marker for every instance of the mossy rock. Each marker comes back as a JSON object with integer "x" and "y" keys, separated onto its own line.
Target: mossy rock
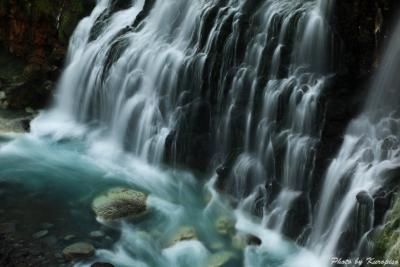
{"x": 387, "y": 239}
{"x": 120, "y": 203}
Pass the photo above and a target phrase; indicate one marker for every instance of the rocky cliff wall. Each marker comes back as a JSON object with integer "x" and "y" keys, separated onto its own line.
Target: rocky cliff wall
{"x": 34, "y": 37}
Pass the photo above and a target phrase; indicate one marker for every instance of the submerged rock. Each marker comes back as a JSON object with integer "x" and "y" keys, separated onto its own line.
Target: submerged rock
{"x": 96, "y": 234}
{"x": 221, "y": 259}
{"x": 217, "y": 246}
{"x": 69, "y": 237}
{"x": 40, "y": 234}
{"x": 239, "y": 242}
{"x": 225, "y": 225}
{"x": 184, "y": 234}
{"x": 120, "y": 203}
{"x": 78, "y": 250}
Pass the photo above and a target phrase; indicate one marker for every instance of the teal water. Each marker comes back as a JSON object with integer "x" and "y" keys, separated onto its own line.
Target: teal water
{"x": 43, "y": 180}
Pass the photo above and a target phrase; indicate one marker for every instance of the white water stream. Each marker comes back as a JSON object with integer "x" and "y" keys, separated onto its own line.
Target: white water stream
{"x": 132, "y": 74}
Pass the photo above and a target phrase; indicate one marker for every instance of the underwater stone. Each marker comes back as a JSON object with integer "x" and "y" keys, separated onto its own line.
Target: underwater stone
{"x": 46, "y": 225}
{"x": 239, "y": 242}
{"x": 184, "y": 234}
{"x": 120, "y": 203}
{"x": 40, "y": 234}
{"x": 217, "y": 246}
{"x": 225, "y": 226}
{"x": 96, "y": 234}
{"x": 78, "y": 250}
{"x": 221, "y": 259}
{"x": 69, "y": 237}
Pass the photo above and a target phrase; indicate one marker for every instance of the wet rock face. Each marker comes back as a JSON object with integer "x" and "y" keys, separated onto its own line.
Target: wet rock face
{"x": 37, "y": 29}
{"x": 36, "y": 32}
{"x": 363, "y": 24}
{"x": 361, "y": 28}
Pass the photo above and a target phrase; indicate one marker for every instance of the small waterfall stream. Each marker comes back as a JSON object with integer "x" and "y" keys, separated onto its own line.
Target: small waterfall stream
{"x": 149, "y": 83}
{"x": 365, "y": 162}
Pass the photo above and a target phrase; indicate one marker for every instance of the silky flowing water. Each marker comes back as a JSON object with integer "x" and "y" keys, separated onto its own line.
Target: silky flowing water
{"x": 56, "y": 182}
{"x": 137, "y": 76}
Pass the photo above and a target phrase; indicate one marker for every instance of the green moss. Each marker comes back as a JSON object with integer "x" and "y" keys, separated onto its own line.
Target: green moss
{"x": 387, "y": 243}
{"x": 73, "y": 11}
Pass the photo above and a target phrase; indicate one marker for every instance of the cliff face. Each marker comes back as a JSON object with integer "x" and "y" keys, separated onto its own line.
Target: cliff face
{"x": 34, "y": 38}
{"x": 362, "y": 30}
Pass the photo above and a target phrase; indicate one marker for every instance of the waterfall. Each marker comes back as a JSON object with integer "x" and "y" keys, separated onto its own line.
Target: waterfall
{"x": 155, "y": 77}
{"x": 238, "y": 80}
{"x": 281, "y": 113}
{"x": 139, "y": 71}
{"x": 367, "y": 160}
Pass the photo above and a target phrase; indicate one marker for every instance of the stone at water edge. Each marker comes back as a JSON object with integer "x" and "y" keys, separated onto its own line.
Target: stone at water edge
{"x": 119, "y": 203}
{"x": 69, "y": 237}
{"x": 96, "y": 234}
{"x": 239, "y": 242}
{"x": 78, "y": 250}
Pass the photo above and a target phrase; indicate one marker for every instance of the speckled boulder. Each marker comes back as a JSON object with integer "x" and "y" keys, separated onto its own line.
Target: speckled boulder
{"x": 120, "y": 203}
